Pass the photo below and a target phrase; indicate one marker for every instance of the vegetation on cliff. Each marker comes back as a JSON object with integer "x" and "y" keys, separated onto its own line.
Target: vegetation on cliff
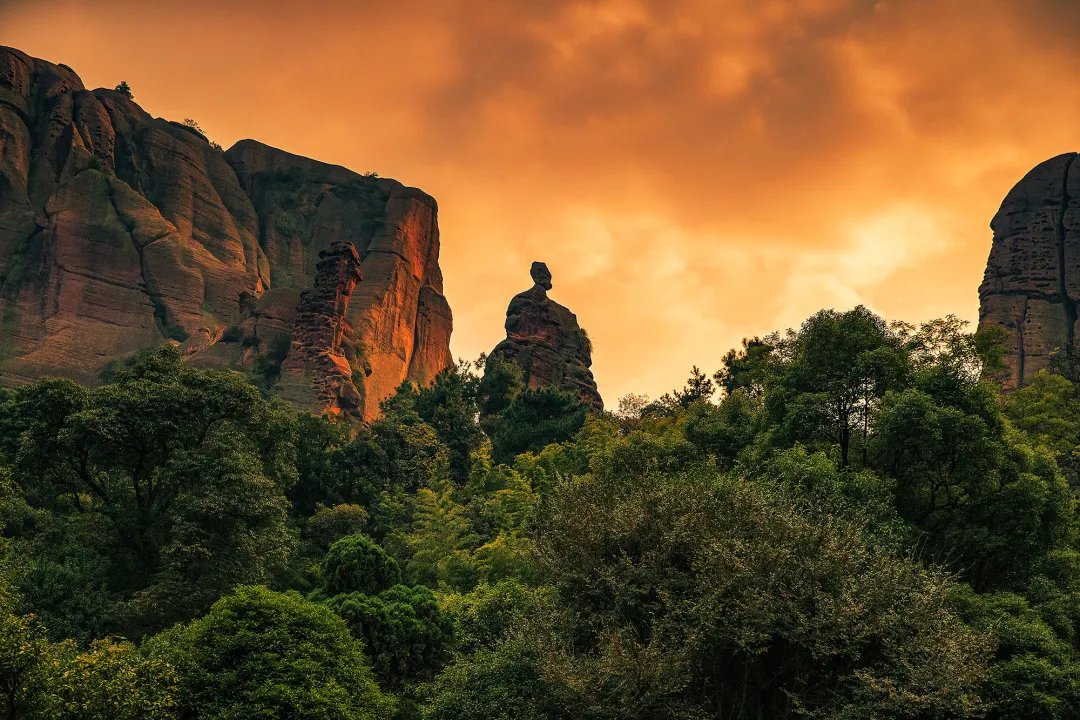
{"x": 847, "y": 521}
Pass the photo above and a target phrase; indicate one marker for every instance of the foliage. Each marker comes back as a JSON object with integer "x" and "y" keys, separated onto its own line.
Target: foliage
{"x": 532, "y": 420}
{"x": 987, "y": 500}
{"x": 328, "y": 525}
{"x": 694, "y": 589}
{"x": 358, "y": 564}
{"x": 124, "y": 89}
{"x": 164, "y": 486}
{"x": 194, "y": 127}
{"x": 405, "y": 632}
{"x": 847, "y": 520}
{"x": 43, "y": 680}
{"x": 264, "y": 654}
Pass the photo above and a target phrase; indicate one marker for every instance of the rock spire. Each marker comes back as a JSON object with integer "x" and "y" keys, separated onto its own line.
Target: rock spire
{"x": 544, "y": 340}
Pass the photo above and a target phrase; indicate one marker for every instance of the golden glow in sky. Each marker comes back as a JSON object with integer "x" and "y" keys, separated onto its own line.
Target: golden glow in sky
{"x": 692, "y": 171}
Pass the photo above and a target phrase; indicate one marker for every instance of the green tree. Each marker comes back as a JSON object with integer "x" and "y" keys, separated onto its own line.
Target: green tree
{"x": 124, "y": 89}
{"x": 440, "y": 542}
{"x": 405, "y": 633}
{"x": 506, "y": 683}
{"x": 26, "y": 665}
{"x": 836, "y": 370}
{"x": 533, "y": 420}
{"x": 701, "y": 595}
{"x": 40, "y": 680}
{"x": 113, "y": 680}
{"x": 989, "y": 503}
{"x": 1047, "y": 408}
{"x": 486, "y": 615}
{"x": 1036, "y": 674}
{"x": 449, "y": 405}
{"x": 748, "y": 369}
{"x": 263, "y": 654}
{"x": 178, "y": 472}
{"x": 358, "y": 564}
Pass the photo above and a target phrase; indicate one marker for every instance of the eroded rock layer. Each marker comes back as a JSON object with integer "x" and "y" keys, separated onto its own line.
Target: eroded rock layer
{"x": 1032, "y": 279}
{"x": 321, "y": 368}
{"x": 119, "y": 231}
{"x": 543, "y": 338}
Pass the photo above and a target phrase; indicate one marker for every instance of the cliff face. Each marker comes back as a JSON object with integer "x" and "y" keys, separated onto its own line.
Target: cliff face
{"x": 119, "y": 231}
{"x": 1032, "y": 279}
{"x": 543, "y": 338}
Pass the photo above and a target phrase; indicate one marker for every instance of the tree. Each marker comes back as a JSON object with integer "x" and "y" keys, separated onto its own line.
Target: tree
{"x": 1036, "y": 673}
{"x": 40, "y": 680}
{"x": 405, "y": 633}
{"x": 124, "y": 89}
{"x": 989, "y": 503}
{"x": 838, "y": 367}
{"x": 749, "y": 368}
{"x": 25, "y": 672}
{"x": 178, "y": 473}
{"x": 449, "y": 405}
{"x": 263, "y": 654}
{"x": 506, "y": 683}
{"x": 701, "y": 595}
{"x": 328, "y": 525}
{"x": 358, "y": 564}
{"x": 533, "y": 420}
{"x": 439, "y": 542}
{"x": 1047, "y": 408}
{"x": 699, "y": 389}
{"x": 113, "y": 680}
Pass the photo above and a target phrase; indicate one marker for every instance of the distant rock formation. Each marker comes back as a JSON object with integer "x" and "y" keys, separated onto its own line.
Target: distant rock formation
{"x": 543, "y": 338}
{"x": 1032, "y": 279}
{"x": 120, "y": 231}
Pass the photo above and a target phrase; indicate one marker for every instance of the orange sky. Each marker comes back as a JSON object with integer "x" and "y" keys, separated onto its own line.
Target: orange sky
{"x": 693, "y": 171}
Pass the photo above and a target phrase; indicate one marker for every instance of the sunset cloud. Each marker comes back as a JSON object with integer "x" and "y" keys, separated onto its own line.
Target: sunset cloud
{"x": 693, "y": 171}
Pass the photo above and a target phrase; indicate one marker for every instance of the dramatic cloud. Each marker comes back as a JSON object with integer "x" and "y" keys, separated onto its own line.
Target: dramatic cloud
{"x": 693, "y": 171}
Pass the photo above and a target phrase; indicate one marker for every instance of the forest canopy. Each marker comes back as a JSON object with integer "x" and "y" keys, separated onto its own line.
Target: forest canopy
{"x": 847, "y": 520}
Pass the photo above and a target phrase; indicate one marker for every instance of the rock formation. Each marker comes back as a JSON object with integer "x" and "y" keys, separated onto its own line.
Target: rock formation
{"x": 1032, "y": 278}
{"x": 320, "y": 369}
{"x": 543, "y": 338}
{"x": 119, "y": 231}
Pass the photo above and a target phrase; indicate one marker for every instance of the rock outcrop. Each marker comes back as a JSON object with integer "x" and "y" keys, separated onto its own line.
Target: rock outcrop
{"x": 1032, "y": 280}
{"x": 321, "y": 368}
{"x": 543, "y": 338}
{"x": 119, "y": 231}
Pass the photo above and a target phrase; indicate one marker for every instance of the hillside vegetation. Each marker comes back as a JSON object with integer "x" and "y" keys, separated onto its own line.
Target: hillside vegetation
{"x": 847, "y": 521}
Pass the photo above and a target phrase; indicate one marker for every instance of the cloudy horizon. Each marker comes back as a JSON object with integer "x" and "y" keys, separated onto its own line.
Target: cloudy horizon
{"x": 692, "y": 172}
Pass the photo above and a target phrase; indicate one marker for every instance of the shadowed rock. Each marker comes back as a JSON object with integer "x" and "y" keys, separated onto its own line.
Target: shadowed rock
{"x": 318, "y": 371}
{"x": 543, "y": 338}
{"x": 1032, "y": 276}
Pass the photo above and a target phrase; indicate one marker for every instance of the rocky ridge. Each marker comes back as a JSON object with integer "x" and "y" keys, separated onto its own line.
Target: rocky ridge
{"x": 544, "y": 340}
{"x": 1032, "y": 279}
{"x": 119, "y": 231}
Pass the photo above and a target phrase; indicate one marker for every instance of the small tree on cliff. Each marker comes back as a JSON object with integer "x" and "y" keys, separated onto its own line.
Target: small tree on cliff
{"x": 124, "y": 89}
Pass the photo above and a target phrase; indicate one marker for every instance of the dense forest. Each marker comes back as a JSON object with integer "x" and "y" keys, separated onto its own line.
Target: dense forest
{"x": 849, "y": 520}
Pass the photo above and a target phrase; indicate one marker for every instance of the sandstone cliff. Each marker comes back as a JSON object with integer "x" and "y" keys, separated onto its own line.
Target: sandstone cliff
{"x": 1032, "y": 278}
{"x": 543, "y": 338}
{"x": 119, "y": 231}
